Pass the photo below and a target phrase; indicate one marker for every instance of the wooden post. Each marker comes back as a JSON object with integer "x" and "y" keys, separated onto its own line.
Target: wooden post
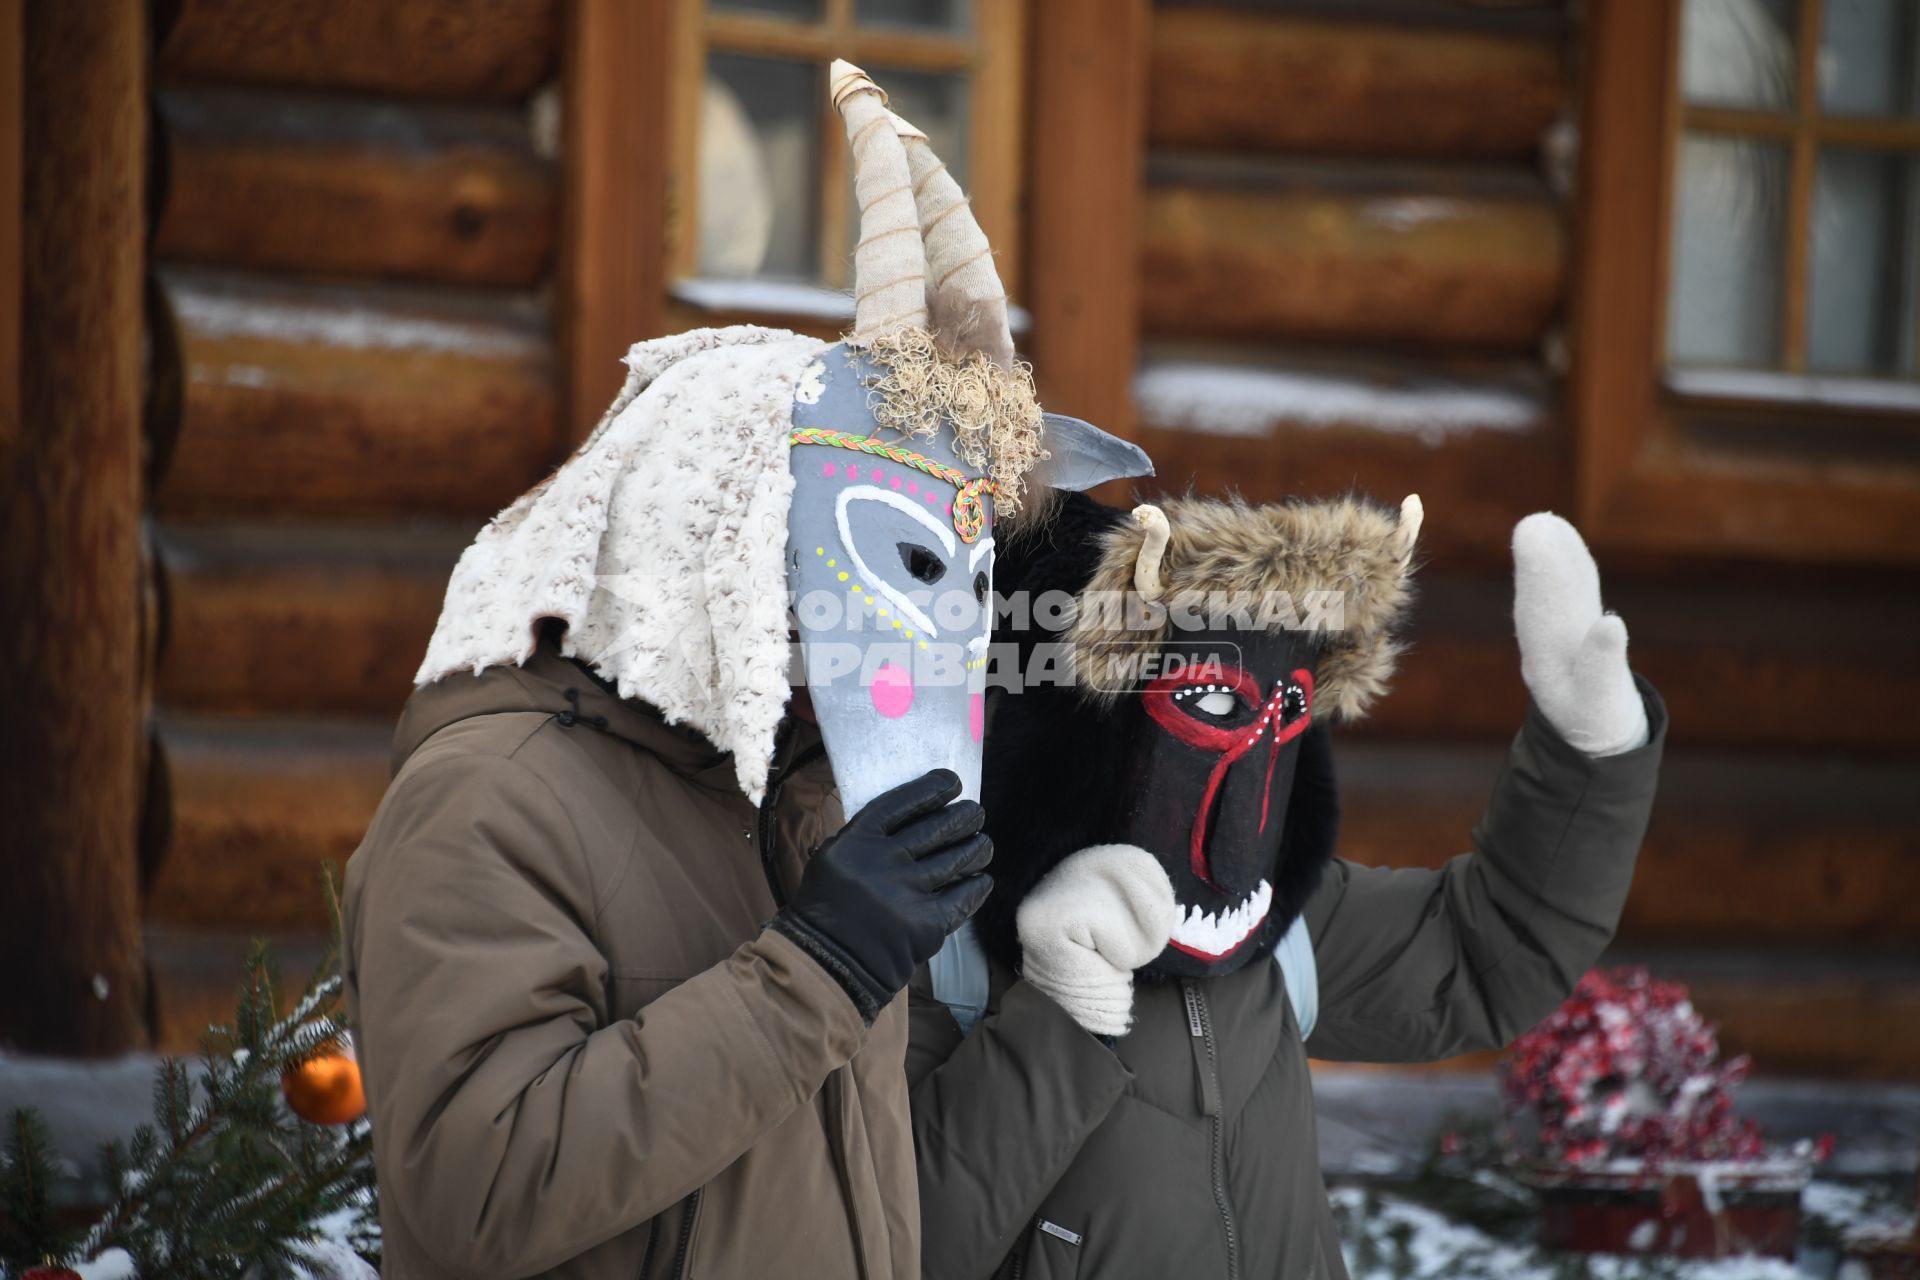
{"x": 70, "y": 501}
{"x": 1089, "y": 149}
{"x": 616, "y": 74}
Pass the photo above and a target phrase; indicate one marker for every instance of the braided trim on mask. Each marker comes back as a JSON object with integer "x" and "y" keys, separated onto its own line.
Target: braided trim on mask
{"x": 969, "y": 513}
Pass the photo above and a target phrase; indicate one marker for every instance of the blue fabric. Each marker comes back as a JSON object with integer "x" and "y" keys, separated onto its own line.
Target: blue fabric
{"x": 960, "y": 977}
{"x": 1294, "y": 955}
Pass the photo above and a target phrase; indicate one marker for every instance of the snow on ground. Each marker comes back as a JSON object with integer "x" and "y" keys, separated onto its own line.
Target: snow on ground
{"x": 1410, "y": 1242}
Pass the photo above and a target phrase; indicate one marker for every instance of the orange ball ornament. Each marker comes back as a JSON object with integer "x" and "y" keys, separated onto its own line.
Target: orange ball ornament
{"x": 326, "y": 1088}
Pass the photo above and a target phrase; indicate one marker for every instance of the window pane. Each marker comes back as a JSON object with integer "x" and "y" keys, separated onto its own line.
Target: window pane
{"x": 1860, "y": 310}
{"x": 759, "y": 168}
{"x": 1723, "y": 301}
{"x": 1738, "y": 53}
{"x": 926, "y": 15}
{"x": 1867, "y": 57}
{"x": 805, "y": 10}
{"x": 937, "y": 105}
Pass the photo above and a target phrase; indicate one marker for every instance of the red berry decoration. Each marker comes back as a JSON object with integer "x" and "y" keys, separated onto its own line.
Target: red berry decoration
{"x": 1626, "y": 1069}
{"x": 50, "y": 1273}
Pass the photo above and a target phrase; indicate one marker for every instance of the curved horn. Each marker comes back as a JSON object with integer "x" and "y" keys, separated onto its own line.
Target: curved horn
{"x": 1153, "y": 549}
{"x": 969, "y": 306}
{"x": 1412, "y": 512}
{"x": 890, "y": 262}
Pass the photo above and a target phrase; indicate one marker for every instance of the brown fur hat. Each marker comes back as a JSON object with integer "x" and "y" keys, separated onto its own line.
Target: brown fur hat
{"x": 1344, "y": 565}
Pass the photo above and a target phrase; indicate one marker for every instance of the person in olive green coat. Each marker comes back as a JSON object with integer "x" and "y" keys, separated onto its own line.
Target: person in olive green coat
{"x": 1176, "y": 824}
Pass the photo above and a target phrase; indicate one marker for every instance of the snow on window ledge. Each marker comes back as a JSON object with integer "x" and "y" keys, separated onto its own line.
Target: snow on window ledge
{"x": 786, "y": 298}
{"x": 1255, "y": 400}
{"x": 1759, "y": 386}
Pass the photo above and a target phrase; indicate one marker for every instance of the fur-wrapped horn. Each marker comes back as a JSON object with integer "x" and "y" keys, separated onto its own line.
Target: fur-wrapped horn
{"x": 1153, "y": 548}
{"x": 967, "y": 302}
{"x": 890, "y": 262}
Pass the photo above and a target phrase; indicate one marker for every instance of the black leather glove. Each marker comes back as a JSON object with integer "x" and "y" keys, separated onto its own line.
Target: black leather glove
{"x": 880, "y": 897}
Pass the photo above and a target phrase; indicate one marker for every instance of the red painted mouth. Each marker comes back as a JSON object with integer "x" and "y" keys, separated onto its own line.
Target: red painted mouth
{"x": 1217, "y": 935}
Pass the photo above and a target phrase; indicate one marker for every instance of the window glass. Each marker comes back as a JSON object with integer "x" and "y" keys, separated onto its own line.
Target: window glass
{"x": 759, "y": 168}
{"x": 1867, "y": 57}
{"x": 1723, "y": 297}
{"x": 1860, "y": 306}
{"x": 926, "y": 15}
{"x": 1738, "y": 53}
{"x": 805, "y": 10}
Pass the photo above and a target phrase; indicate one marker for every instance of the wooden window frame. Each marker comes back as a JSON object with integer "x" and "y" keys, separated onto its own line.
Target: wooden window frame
{"x": 1804, "y": 477}
{"x": 992, "y": 54}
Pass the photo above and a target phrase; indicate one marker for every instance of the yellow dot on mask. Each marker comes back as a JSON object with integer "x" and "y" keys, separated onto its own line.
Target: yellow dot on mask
{"x": 909, "y": 635}
{"x": 923, "y": 644}
{"x": 819, "y": 551}
{"x": 843, "y": 575}
{"x": 832, "y": 563}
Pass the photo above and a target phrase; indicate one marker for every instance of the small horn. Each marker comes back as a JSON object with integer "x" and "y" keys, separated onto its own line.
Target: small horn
{"x": 890, "y": 262}
{"x": 1153, "y": 549}
{"x": 1411, "y": 514}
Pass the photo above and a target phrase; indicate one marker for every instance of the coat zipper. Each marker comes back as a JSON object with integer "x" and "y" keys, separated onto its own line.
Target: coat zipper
{"x": 769, "y": 856}
{"x": 680, "y": 1258}
{"x": 1200, "y": 1023}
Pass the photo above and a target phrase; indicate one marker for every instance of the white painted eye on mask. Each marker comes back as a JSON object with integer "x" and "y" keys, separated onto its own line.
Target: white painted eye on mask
{"x": 941, "y": 533}
{"x": 1218, "y": 704}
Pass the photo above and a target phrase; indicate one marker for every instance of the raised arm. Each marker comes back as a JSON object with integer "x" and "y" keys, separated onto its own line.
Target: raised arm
{"x": 1416, "y": 964}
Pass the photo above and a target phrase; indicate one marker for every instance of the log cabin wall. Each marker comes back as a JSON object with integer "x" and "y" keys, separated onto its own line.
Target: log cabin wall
{"x": 357, "y": 249}
{"x": 1350, "y": 266}
{"x": 1291, "y": 247}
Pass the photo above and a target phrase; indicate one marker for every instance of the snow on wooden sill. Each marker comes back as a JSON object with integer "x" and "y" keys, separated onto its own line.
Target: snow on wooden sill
{"x": 1760, "y": 386}
{"x": 786, "y": 298}
{"x": 1241, "y": 400}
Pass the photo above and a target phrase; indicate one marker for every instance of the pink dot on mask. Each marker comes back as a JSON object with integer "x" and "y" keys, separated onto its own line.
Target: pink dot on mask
{"x": 977, "y": 715}
{"x": 829, "y": 470}
{"x": 891, "y": 690}
{"x": 896, "y": 482}
{"x": 853, "y": 473}
{"x": 912, "y": 487}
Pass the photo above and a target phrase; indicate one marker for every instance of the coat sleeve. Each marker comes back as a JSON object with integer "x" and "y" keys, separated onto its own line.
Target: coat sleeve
{"x": 997, "y": 1119}
{"x": 1417, "y": 965}
{"x": 516, "y": 1124}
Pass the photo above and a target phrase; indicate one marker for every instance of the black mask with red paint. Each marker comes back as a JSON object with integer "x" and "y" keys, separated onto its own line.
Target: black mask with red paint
{"x": 1214, "y": 746}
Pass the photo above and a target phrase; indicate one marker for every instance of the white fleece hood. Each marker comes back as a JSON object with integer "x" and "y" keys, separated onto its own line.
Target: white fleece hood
{"x": 660, "y": 544}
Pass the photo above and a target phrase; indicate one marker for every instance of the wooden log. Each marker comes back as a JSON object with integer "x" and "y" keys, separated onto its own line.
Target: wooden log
{"x": 1731, "y": 674}
{"x": 259, "y": 810}
{"x": 1089, "y": 87}
{"x": 335, "y": 402}
{"x": 1477, "y": 477}
{"x": 1417, "y": 269}
{"x": 1228, "y": 79}
{"x": 196, "y": 976}
{"x": 307, "y": 624}
{"x": 1742, "y": 849}
{"x": 498, "y": 52}
{"x": 335, "y": 187}
{"x": 70, "y": 512}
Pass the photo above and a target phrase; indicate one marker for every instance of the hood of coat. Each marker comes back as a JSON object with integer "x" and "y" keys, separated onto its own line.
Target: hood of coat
{"x": 566, "y": 688}
{"x": 1196, "y": 728}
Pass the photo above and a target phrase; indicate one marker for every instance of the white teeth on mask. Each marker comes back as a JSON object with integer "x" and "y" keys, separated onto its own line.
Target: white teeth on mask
{"x": 1217, "y": 933}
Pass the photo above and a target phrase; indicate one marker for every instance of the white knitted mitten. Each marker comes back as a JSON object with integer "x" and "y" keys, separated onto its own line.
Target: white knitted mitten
{"x": 1572, "y": 656}
{"x": 1094, "y": 919}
